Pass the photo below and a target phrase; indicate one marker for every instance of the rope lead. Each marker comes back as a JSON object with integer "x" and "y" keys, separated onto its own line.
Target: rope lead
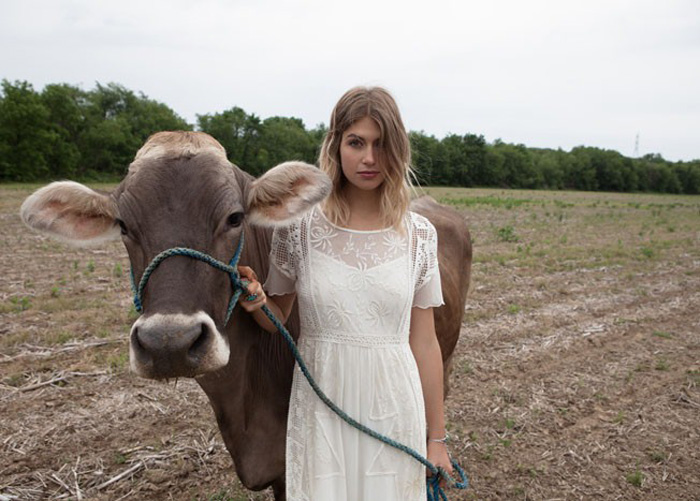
{"x": 435, "y": 491}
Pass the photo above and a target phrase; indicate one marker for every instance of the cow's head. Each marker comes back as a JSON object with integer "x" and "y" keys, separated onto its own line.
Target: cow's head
{"x": 180, "y": 191}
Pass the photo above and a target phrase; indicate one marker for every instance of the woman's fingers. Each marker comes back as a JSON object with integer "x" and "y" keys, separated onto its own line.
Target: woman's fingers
{"x": 248, "y": 273}
{"x": 253, "y": 297}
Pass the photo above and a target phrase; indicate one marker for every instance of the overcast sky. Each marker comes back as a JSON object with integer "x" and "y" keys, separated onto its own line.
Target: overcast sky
{"x": 545, "y": 73}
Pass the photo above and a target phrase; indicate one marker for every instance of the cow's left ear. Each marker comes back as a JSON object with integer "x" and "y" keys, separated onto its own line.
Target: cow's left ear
{"x": 71, "y": 212}
{"x": 285, "y": 193}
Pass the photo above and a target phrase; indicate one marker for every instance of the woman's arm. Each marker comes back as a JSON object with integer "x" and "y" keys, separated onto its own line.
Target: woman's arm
{"x": 426, "y": 350}
{"x": 281, "y": 306}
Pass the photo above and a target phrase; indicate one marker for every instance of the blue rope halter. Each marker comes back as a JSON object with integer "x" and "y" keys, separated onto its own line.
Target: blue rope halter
{"x": 434, "y": 490}
{"x": 231, "y": 269}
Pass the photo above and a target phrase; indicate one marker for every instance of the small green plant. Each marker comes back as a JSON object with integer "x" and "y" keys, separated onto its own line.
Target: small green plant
{"x": 75, "y": 265}
{"x": 63, "y": 337}
{"x": 665, "y": 335}
{"x": 510, "y": 423}
{"x": 466, "y": 367}
{"x": 103, "y": 333}
{"x": 635, "y": 478}
{"x": 620, "y": 418}
{"x": 657, "y": 456}
{"x": 133, "y": 314}
{"x": 507, "y": 234}
{"x": 21, "y": 303}
{"x": 15, "y": 380}
{"x": 693, "y": 376}
{"x": 90, "y": 266}
{"x": 647, "y": 252}
{"x": 55, "y": 291}
{"x": 118, "y": 361}
{"x": 514, "y": 309}
{"x": 119, "y": 458}
{"x": 488, "y": 455}
{"x": 117, "y": 271}
{"x": 662, "y": 365}
{"x": 223, "y": 496}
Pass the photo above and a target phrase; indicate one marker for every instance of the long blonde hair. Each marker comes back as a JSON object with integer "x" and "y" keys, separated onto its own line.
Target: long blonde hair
{"x": 380, "y": 106}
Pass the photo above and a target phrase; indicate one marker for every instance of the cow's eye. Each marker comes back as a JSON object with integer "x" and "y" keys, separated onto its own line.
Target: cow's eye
{"x": 122, "y": 226}
{"x": 235, "y": 219}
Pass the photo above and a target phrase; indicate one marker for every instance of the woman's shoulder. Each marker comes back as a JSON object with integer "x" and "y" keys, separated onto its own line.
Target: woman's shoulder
{"x": 420, "y": 223}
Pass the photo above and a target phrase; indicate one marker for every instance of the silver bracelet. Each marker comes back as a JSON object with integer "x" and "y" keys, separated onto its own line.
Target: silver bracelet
{"x": 442, "y": 440}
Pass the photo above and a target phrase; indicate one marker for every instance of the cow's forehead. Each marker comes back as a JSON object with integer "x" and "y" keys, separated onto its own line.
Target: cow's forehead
{"x": 176, "y": 145}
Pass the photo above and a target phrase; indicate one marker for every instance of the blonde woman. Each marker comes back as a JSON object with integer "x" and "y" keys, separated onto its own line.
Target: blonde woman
{"x": 364, "y": 270}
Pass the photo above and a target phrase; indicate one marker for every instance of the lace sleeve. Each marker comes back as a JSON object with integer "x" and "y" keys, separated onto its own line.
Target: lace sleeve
{"x": 282, "y": 275}
{"x": 428, "y": 288}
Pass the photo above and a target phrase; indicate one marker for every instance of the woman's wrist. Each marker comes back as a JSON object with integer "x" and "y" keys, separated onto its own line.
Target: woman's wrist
{"x": 440, "y": 439}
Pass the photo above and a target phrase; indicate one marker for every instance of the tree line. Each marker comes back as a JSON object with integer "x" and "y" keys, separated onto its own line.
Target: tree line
{"x": 65, "y": 132}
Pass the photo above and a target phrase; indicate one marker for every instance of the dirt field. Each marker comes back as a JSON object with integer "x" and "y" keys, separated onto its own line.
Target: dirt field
{"x": 577, "y": 375}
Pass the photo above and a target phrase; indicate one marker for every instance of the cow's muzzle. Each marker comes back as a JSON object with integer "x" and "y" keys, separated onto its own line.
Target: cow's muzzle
{"x": 176, "y": 345}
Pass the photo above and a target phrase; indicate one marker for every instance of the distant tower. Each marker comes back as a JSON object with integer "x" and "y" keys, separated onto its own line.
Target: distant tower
{"x": 636, "y": 146}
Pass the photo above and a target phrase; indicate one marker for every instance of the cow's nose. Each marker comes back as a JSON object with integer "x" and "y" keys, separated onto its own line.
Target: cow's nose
{"x": 165, "y": 346}
{"x": 183, "y": 341}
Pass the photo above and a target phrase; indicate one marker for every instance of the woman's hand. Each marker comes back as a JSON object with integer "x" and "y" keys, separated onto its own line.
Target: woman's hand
{"x": 253, "y": 298}
{"x": 437, "y": 455}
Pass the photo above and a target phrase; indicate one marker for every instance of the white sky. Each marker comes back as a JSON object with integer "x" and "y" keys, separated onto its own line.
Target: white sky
{"x": 545, "y": 73}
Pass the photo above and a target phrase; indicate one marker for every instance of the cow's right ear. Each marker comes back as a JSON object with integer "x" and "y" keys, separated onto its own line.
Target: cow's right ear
{"x": 71, "y": 212}
{"x": 285, "y": 193}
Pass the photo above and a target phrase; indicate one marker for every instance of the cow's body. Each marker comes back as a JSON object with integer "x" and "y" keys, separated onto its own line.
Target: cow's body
{"x": 181, "y": 191}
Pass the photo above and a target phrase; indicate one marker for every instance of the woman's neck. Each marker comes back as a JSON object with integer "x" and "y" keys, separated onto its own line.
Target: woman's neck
{"x": 365, "y": 209}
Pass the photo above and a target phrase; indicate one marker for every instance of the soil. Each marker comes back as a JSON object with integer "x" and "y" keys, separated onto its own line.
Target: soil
{"x": 577, "y": 375}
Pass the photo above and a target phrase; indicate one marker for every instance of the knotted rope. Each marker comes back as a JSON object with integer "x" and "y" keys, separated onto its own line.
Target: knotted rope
{"x": 434, "y": 490}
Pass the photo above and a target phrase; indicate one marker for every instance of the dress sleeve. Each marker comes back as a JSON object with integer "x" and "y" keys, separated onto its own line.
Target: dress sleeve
{"x": 282, "y": 274}
{"x": 428, "y": 289}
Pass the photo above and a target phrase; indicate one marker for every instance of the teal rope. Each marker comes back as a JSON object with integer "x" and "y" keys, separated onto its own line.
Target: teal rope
{"x": 230, "y": 268}
{"x": 434, "y": 490}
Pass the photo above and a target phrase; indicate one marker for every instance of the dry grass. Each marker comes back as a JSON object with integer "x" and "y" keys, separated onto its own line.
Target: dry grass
{"x": 576, "y": 376}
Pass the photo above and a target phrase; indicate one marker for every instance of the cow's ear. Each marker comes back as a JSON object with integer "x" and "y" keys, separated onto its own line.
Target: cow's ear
{"x": 285, "y": 193}
{"x": 71, "y": 212}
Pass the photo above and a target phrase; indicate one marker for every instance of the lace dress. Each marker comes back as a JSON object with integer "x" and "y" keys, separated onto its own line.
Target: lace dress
{"x": 355, "y": 291}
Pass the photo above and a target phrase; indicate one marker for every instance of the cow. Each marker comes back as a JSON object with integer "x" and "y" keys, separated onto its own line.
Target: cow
{"x": 182, "y": 191}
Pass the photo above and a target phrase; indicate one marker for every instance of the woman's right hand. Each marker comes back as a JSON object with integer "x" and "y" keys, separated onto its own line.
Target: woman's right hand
{"x": 253, "y": 298}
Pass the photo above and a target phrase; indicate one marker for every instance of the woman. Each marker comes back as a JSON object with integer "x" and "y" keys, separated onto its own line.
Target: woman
{"x": 364, "y": 270}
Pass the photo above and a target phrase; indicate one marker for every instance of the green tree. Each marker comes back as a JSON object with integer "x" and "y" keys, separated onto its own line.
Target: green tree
{"x": 286, "y": 139}
{"x": 581, "y": 174}
{"x": 26, "y": 134}
{"x": 118, "y": 122}
{"x": 549, "y": 166}
{"x": 688, "y": 174}
{"x": 66, "y": 105}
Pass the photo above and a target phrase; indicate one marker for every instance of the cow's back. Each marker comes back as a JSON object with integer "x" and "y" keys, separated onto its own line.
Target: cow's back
{"x": 455, "y": 258}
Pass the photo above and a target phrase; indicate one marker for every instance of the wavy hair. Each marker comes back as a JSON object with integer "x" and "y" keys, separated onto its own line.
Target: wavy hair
{"x": 380, "y": 106}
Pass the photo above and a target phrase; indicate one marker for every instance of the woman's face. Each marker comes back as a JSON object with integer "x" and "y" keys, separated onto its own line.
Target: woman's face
{"x": 361, "y": 156}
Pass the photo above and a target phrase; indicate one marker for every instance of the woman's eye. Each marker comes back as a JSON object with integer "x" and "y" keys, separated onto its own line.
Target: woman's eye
{"x": 122, "y": 226}
{"x": 235, "y": 219}
{"x": 355, "y": 143}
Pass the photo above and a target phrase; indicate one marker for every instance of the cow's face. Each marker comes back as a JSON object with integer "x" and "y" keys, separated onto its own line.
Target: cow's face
{"x": 180, "y": 191}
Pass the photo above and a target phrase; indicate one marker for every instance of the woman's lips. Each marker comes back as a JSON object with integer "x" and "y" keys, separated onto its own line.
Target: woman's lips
{"x": 368, "y": 174}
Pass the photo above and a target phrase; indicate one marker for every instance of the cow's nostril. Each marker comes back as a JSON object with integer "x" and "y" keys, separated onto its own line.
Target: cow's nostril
{"x": 135, "y": 339}
{"x": 198, "y": 347}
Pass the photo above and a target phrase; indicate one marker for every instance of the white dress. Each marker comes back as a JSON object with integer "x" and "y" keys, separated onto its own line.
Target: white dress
{"x": 355, "y": 291}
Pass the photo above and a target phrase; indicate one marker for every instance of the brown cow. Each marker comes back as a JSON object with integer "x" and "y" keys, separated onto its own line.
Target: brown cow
{"x": 182, "y": 191}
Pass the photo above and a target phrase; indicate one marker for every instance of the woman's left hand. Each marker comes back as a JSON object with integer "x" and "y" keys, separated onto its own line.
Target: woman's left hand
{"x": 437, "y": 455}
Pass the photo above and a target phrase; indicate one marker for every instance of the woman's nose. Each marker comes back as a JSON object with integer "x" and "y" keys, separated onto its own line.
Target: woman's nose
{"x": 369, "y": 156}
